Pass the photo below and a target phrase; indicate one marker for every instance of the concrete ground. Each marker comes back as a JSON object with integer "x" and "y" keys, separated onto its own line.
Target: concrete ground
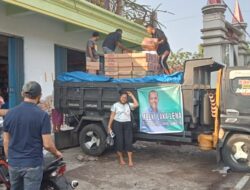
{"x": 157, "y": 167}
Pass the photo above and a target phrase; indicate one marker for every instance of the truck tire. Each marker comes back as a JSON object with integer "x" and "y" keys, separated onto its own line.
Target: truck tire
{"x": 236, "y": 152}
{"x": 92, "y": 140}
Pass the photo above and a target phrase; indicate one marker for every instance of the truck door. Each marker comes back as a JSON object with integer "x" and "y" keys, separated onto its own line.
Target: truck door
{"x": 235, "y": 109}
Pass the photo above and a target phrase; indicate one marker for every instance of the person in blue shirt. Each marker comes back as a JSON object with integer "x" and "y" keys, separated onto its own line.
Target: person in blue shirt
{"x": 27, "y": 130}
{"x": 112, "y": 41}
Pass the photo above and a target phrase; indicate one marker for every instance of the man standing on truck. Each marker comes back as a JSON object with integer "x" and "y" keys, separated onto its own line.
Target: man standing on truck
{"x": 112, "y": 41}
{"x": 26, "y": 131}
{"x": 163, "y": 49}
{"x": 91, "y": 49}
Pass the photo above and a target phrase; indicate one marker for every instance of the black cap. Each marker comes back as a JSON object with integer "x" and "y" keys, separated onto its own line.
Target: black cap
{"x": 32, "y": 89}
{"x": 95, "y": 34}
{"x": 119, "y": 30}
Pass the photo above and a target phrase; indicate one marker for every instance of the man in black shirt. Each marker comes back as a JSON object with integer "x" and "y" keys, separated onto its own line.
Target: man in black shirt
{"x": 163, "y": 49}
{"x": 91, "y": 49}
{"x": 113, "y": 40}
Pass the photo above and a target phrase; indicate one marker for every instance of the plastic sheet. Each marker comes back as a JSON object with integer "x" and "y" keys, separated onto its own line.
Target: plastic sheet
{"x": 78, "y": 76}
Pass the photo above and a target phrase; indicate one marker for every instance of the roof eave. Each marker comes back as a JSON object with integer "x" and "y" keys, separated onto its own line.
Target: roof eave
{"x": 85, "y": 14}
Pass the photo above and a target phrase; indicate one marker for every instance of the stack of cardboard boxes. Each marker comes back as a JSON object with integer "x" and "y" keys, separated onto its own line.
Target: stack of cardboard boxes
{"x": 144, "y": 64}
{"x": 118, "y": 65}
{"x": 131, "y": 65}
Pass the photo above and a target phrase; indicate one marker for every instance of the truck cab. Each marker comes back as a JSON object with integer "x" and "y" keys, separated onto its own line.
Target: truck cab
{"x": 234, "y": 141}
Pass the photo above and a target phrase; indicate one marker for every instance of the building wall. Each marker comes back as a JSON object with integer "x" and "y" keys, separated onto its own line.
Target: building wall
{"x": 40, "y": 34}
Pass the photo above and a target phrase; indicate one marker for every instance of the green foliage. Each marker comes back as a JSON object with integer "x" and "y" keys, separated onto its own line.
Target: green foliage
{"x": 180, "y": 57}
{"x": 177, "y": 59}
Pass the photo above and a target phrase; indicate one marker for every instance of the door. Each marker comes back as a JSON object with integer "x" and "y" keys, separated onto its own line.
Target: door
{"x": 235, "y": 108}
{"x": 16, "y": 70}
{"x": 61, "y": 58}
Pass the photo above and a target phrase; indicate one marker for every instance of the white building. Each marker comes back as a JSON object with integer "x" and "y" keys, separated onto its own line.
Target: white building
{"x": 40, "y": 39}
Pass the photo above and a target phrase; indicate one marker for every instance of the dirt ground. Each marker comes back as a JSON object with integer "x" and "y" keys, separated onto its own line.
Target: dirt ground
{"x": 157, "y": 167}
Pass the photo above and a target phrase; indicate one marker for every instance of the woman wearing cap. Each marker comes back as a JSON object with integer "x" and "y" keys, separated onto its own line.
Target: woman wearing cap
{"x": 120, "y": 124}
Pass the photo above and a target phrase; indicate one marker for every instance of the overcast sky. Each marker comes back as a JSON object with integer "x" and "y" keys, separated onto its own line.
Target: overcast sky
{"x": 183, "y": 28}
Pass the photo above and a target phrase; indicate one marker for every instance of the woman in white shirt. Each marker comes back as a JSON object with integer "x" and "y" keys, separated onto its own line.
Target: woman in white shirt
{"x": 120, "y": 124}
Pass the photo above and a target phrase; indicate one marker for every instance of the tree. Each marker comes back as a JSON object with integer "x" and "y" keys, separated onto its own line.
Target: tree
{"x": 119, "y": 7}
{"x": 176, "y": 60}
{"x": 140, "y": 14}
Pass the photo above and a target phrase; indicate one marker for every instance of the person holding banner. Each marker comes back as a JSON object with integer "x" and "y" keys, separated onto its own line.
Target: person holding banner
{"x": 120, "y": 123}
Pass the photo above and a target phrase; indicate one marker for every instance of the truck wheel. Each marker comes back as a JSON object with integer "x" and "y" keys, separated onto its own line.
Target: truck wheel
{"x": 92, "y": 140}
{"x": 236, "y": 152}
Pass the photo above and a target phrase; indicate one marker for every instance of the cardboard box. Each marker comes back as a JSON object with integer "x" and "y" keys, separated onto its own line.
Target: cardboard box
{"x": 91, "y": 71}
{"x": 149, "y": 44}
{"x": 152, "y": 57}
{"x": 144, "y": 68}
{"x": 110, "y": 60}
{"x": 125, "y": 64}
{"x": 111, "y": 73}
{"x": 125, "y": 76}
{"x": 140, "y": 73}
{"x": 92, "y": 68}
{"x": 139, "y": 62}
{"x": 138, "y": 76}
{"x": 124, "y": 60}
{"x": 113, "y": 76}
{"x": 150, "y": 73}
{"x": 125, "y": 69}
{"x": 117, "y": 55}
{"x": 126, "y": 73}
{"x": 90, "y": 65}
{"x": 111, "y": 64}
{"x": 153, "y": 66}
{"x": 111, "y": 69}
{"x": 138, "y": 55}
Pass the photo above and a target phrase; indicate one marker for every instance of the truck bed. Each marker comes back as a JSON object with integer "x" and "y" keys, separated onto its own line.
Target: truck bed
{"x": 96, "y": 98}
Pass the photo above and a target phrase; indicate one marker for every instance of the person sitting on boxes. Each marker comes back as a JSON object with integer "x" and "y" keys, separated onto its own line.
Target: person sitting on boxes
{"x": 92, "y": 47}
{"x": 113, "y": 40}
{"x": 163, "y": 49}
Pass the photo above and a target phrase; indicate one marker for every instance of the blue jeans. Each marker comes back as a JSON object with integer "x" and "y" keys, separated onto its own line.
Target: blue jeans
{"x": 25, "y": 178}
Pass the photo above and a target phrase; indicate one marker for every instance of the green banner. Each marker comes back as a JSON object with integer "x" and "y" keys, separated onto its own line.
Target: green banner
{"x": 161, "y": 109}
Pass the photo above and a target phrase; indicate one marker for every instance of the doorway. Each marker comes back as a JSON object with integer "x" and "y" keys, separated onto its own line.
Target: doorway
{"x": 4, "y": 67}
{"x": 76, "y": 60}
{"x": 11, "y": 70}
{"x": 68, "y": 60}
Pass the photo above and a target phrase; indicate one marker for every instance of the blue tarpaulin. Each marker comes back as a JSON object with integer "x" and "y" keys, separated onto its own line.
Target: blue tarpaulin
{"x": 79, "y": 76}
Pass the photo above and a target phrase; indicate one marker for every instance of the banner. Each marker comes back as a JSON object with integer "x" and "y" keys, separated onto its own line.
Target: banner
{"x": 161, "y": 109}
